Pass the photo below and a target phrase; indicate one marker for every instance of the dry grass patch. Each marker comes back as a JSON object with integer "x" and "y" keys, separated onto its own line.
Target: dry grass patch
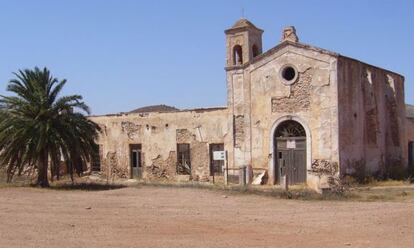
{"x": 390, "y": 190}
{"x": 384, "y": 193}
{"x": 396, "y": 191}
{"x": 297, "y": 192}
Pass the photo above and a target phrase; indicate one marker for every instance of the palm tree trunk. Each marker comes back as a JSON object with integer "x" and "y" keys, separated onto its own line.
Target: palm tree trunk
{"x": 58, "y": 170}
{"x": 42, "y": 180}
{"x": 52, "y": 171}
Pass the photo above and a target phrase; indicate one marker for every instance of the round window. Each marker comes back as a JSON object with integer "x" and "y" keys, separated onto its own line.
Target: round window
{"x": 289, "y": 74}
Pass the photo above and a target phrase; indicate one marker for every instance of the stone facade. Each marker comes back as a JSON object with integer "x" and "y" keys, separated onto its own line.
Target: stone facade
{"x": 158, "y": 134}
{"x": 410, "y": 135}
{"x": 298, "y": 98}
{"x": 353, "y": 115}
{"x": 410, "y": 130}
{"x": 410, "y": 122}
{"x": 372, "y": 104}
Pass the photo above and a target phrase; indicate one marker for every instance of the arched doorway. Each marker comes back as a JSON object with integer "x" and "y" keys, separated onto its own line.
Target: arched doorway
{"x": 255, "y": 50}
{"x": 290, "y": 151}
{"x": 237, "y": 55}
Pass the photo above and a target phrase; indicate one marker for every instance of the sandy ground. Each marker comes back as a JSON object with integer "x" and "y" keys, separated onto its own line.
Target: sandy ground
{"x": 173, "y": 217}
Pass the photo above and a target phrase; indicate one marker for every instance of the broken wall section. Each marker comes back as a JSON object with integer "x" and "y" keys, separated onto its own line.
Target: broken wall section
{"x": 158, "y": 135}
{"x": 162, "y": 169}
{"x": 199, "y": 154}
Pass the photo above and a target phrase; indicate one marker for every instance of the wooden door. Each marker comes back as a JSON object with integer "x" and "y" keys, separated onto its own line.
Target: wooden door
{"x": 291, "y": 159}
{"x": 290, "y": 150}
{"x": 136, "y": 163}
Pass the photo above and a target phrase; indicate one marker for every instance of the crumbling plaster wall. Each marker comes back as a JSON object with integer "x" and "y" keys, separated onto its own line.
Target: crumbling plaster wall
{"x": 371, "y": 118}
{"x": 252, "y": 95}
{"x": 157, "y": 133}
{"x": 410, "y": 129}
{"x": 410, "y": 136}
{"x": 239, "y": 117}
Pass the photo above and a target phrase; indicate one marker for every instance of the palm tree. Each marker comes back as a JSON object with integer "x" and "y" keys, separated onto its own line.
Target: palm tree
{"x": 38, "y": 128}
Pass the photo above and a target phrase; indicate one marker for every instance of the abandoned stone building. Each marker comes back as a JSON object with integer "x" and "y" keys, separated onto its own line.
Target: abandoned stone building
{"x": 295, "y": 108}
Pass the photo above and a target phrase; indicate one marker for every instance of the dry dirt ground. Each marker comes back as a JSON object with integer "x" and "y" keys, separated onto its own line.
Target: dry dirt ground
{"x": 184, "y": 217}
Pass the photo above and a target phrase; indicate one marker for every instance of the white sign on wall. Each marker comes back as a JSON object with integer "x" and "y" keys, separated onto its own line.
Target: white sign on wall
{"x": 291, "y": 144}
{"x": 219, "y": 155}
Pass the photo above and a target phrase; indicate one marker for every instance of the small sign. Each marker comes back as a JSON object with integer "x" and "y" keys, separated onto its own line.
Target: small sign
{"x": 219, "y": 155}
{"x": 291, "y": 144}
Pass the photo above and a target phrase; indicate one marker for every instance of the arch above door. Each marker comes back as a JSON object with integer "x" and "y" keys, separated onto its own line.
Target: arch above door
{"x": 272, "y": 157}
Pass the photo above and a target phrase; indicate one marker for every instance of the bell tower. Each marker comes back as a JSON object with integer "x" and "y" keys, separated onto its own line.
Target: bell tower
{"x": 243, "y": 43}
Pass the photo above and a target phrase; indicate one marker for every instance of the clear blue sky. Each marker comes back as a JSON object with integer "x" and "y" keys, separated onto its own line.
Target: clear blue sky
{"x": 121, "y": 55}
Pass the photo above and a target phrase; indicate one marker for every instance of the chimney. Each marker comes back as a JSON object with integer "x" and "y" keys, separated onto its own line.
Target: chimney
{"x": 289, "y": 34}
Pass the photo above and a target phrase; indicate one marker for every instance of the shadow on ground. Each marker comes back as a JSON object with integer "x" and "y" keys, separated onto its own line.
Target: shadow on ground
{"x": 87, "y": 186}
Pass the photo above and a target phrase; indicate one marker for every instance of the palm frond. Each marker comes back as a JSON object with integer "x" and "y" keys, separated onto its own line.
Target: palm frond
{"x": 37, "y": 127}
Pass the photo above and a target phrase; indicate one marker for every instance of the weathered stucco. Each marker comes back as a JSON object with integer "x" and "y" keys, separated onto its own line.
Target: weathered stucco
{"x": 410, "y": 130}
{"x": 371, "y": 118}
{"x": 410, "y": 139}
{"x": 258, "y": 94}
{"x": 353, "y": 115}
{"x": 158, "y": 134}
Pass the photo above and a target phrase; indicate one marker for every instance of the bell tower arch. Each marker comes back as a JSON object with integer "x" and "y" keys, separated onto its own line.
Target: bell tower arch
{"x": 243, "y": 42}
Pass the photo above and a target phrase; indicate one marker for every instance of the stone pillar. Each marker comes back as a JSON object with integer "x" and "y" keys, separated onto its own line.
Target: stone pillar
{"x": 242, "y": 175}
{"x": 226, "y": 174}
{"x": 249, "y": 174}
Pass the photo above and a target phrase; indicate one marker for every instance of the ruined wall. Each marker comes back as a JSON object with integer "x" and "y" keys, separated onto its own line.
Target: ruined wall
{"x": 158, "y": 134}
{"x": 259, "y": 95}
{"x": 410, "y": 129}
{"x": 371, "y": 118}
{"x": 299, "y": 97}
{"x": 410, "y": 138}
{"x": 200, "y": 153}
{"x": 238, "y": 91}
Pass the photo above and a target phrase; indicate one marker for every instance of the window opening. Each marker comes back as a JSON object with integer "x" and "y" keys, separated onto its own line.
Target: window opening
{"x": 183, "y": 159}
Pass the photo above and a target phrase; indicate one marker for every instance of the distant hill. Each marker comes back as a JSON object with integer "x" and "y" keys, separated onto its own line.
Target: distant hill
{"x": 155, "y": 108}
